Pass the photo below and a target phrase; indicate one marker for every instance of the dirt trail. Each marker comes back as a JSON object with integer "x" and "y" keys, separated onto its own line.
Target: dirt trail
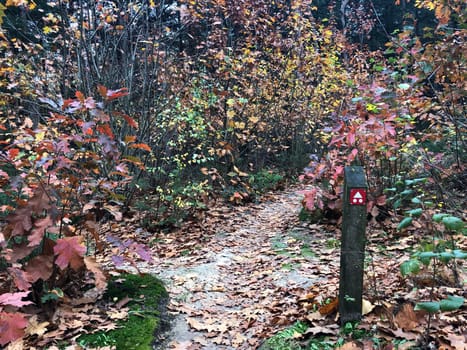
{"x": 230, "y": 291}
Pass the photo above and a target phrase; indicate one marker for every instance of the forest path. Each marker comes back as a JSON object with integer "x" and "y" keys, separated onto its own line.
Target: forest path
{"x": 237, "y": 277}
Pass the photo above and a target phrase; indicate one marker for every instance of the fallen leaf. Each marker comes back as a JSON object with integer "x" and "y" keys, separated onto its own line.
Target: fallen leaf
{"x": 406, "y": 318}
{"x": 315, "y": 316}
{"x": 69, "y": 251}
{"x": 35, "y": 327}
{"x": 99, "y": 277}
{"x": 12, "y": 326}
{"x": 320, "y": 330}
{"x": 367, "y": 307}
{"x": 238, "y": 339}
{"x": 330, "y": 307}
{"x": 400, "y": 333}
{"x": 118, "y": 315}
{"x": 14, "y": 299}
{"x": 16, "y": 345}
{"x": 457, "y": 341}
{"x": 200, "y": 340}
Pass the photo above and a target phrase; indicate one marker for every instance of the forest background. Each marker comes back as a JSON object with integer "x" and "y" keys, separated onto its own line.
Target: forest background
{"x": 107, "y": 106}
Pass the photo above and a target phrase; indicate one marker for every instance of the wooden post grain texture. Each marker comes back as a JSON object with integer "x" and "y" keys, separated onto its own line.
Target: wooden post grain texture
{"x": 352, "y": 244}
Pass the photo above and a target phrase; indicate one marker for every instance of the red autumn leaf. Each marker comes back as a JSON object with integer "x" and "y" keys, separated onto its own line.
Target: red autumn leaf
{"x": 79, "y": 95}
{"x": 11, "y": 326}
{"x": 102, "y": 90}
{"x": 337, "y": 140}
{"x": 14, "y": 299}
{"x": 131, "y": 122}
{"x": 13, "y": 153}
{"x": 338, "y": 171}
{"x": 113, "y": 94}
{"x": 69, "y": 251}
{"x": 38, "y": 232}
{"x": 105, "y": 129}
{"x": 71, "y": 105}
{"x": 142, "y": 146}
{"x": 350, "y": 138}
{"x": 20, "y": 278}
{"x": 310, "y": 200}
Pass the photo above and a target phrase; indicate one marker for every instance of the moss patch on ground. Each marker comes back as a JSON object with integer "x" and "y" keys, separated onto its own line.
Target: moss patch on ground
{"x": 148, "y": 299}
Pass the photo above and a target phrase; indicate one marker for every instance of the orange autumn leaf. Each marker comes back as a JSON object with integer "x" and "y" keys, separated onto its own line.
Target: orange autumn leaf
{"x": 142, "y": 146}
{"x": 130, "y": 138}
{"x": 329, "y": 308}
{"x": 102, "y": 90}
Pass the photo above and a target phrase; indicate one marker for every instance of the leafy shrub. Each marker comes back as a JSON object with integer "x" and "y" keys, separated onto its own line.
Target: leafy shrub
{"x": 68, "y": 172}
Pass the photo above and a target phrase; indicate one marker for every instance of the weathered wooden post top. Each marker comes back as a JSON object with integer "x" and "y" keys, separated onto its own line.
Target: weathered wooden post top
{"x": 352, "y": 244}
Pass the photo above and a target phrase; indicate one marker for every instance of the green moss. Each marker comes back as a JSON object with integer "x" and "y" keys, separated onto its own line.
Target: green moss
{"x": 137, "y": 332}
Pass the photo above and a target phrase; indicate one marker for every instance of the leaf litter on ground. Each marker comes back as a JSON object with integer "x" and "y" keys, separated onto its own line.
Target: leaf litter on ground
{"x": 243, "y": 273}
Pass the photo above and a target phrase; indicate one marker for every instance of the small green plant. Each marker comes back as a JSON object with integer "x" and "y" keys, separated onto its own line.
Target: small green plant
{"x": 408, "y": 192}
{"x": 332, "y": 243}
{"x": 265, "y": 180}
{"x": 441, "y": 250}
{"x": 286, "y": 339}
{"x": 434, "y": 254}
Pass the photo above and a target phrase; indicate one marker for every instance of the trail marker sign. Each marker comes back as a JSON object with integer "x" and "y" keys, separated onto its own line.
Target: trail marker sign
{"x": 357, "y": 196}
{"x": 354, "y": 218}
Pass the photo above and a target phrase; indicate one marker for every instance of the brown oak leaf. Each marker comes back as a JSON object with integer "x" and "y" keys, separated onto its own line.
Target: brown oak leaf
{"x": 69, "y": 251}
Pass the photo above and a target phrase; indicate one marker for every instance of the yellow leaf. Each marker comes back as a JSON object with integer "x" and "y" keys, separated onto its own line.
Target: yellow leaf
{"x": 230, "y": 113}
{"x": 40, "y": 136}
{"x": 239, "y": 172}
{"x": 254, "y": 120}
{"x": 16, "y": 3}
{"x": 240, "y": 125}
{"x": 367, "y": 307}
{"x": 2, "y": 13}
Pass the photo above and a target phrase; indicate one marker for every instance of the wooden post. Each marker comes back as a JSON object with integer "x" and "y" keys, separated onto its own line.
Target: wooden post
{"x": 354, "y": 222}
